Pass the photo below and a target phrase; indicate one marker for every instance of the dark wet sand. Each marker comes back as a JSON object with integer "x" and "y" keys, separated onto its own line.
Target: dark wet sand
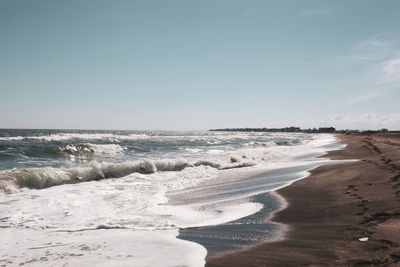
{"x": 239, "y": 234}
{"x": 335, "y": 206}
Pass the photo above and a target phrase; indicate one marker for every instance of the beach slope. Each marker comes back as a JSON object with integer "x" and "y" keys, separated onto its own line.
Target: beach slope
{"x": 342, "y": 214}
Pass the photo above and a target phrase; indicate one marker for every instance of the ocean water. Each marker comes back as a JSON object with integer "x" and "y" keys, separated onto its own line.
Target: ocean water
{"x": 119, "y": 198}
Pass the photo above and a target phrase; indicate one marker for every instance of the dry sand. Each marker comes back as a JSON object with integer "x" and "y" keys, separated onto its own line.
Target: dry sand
{"x": 334, "y": 207}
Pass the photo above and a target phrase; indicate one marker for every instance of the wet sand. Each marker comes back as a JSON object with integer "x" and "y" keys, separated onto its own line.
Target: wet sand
{"x": 334, "y": 207}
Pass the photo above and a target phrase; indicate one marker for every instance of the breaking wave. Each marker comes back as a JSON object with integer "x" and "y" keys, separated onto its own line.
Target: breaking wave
{"x": 86, "y": 149}
{"x": 38, "y": 178}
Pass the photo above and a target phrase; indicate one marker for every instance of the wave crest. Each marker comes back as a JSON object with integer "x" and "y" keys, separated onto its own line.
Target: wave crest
{"x": 39, "y": 178}
{"x": 86, "y": 149}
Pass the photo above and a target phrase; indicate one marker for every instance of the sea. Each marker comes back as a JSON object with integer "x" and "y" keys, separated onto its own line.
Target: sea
{"x": 133, "y": 198}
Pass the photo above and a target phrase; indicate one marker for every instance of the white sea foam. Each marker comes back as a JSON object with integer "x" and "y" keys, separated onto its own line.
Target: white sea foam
{"x": 83, "y": 136}
{"x": 210, "y": 138}
{"x": 108, "y": 248}
{"x": 38, "y": 178}
{"x": 87, "y": 149}
{"x": 215, "y": 151}
{"x": 194, "y": 150}
{"x": 143, "y": 182}
{"x": 130, "y": 215}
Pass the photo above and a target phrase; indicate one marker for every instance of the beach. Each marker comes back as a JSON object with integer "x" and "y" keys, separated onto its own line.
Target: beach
{"x": 342, "y": 214}
{"x": 193, "y": 198}
{"x": 199, "y": 133}
{"x": 129, "y": 198}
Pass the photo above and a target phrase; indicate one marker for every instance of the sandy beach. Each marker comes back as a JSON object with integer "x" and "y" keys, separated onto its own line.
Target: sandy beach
{"x": 342, "y": 214}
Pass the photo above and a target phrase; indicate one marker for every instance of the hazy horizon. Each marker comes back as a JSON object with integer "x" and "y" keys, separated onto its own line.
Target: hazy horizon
{"x": 187, "y": 65}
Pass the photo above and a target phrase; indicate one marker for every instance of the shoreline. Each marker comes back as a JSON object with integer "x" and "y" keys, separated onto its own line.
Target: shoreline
{"x": 256, "y": 228}
{"x": 334, "y": 207}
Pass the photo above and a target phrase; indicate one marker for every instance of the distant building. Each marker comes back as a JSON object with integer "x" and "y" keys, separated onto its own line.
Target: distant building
{"x": 384, "y": 130}
{"x": 326, "y": 129}
{"x": 292, "y": 129}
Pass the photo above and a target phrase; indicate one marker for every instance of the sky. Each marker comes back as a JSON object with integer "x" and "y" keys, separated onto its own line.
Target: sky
{"x": 195, "y": 65}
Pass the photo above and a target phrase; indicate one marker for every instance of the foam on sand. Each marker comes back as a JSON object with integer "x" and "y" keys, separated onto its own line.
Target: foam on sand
{"x": 98, "y": 248}
{"x": 119, "y": 214}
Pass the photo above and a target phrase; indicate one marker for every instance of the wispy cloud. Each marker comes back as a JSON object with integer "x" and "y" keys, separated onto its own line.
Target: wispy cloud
{"x": 374, "y": 49}
{"x": 361, "y": 121}
{"x": 323, "y": 11}
{"x": 391, "y": 70}
{"x": 378, "y": 62}
{"x": 366, "y": 121}
{"x": 366, "y": 96}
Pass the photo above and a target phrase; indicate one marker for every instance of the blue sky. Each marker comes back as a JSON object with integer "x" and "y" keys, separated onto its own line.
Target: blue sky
{"x": 184, "y": 64}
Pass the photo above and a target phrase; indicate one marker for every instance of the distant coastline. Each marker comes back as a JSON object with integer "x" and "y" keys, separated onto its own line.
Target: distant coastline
{"x": 299, "y": 130}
